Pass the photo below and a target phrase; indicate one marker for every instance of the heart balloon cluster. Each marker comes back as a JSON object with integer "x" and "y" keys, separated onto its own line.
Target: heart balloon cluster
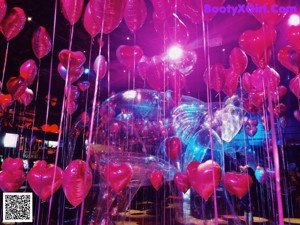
{"x": 17, "y": 86}
{"x": 76, "y": 180}
{"x": 220, "y": 79}
{"x": 12, "y": 175}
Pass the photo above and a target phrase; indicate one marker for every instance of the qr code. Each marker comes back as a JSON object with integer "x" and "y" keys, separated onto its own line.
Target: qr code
{"x": 17, "y": 207}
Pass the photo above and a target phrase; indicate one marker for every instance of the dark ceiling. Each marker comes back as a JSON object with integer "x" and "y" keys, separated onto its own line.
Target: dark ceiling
{"x": 224, "y": 32}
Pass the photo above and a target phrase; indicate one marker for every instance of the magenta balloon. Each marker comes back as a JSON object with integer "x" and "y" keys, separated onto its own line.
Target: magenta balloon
{"x": 108, "y": 13}
{"x": 155, "y": 75}
{"x": 238, "y": 60}
{"x": 74, "y": 72}
{"x": 74, "y": 59}
{"x": 28, "y": 71}
{"x": 129, "y": 56}
{"x": 294, "y": 86}
{"x": 16, "y": 86}
{"x": 26, "y": 98}
{"x": 172, "y": 29}
{"x": 262, "y": 79}
{"x": 72, "y": 9}
{"x": 163, "y": 8}
{"x": 135, "y": 14}
{"x": 100, "y": 66}
{"x": 72, "y": 92}
{"x": 13, "y": 23}
{"x": 71, "y": 106}
{"x": 41, "y": 42}
{"x": 3, "y": 8}
{"x": 89, "y": 23}
{"x": 83, "y": 85}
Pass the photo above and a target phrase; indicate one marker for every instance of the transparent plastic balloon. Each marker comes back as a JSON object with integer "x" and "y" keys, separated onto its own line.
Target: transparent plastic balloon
{"x": 200, "y": 144}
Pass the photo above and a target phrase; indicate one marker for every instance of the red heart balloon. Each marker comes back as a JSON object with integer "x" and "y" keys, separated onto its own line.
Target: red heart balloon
{"x": 246, "y": 82}
{"x": 231, "y": 82}
{"x": 72, "y": 92}
{"x": 163, "y": 9}
{"x": 255, "y": 42}
{"x": 257, "y": 98}
{"x": 238, "y": 60}
{"x": 71, "y": 9}
{"x": 262, "y": 79}
{"x": 71, "y": 106}
{"x": 264, "y": 61}
{"x": 181, "y": 181}
{"x": 100, "y": 66}
{"x": 5, "y": 101}
{"x": 270, "y": 17}
{"x": 295, "y": 86}
{"x": 237, "y": 184}
{"x": 143, "y": 67}
{"x": 118, "y": 176}
{"x": 83, "y": 85}
{"x": 40, "y": 179}
{"x": 75, "y": 59}
{"x": 289, "y": 58}
{"x": 41, "y": 42}
{"x": 129, "y": 56}
{"x": 135, "y": 14}
{"x": 16, "y": 86}
{"x": 201, "y": 177}
{"x": 297, "y": 115}
{"x": 11, "y": 181}
{"x": 155, "y": 74}
{"x": 292, "y": 36}
{"x": 251, "y": 130}
{"x": 3, "y": 8}
{"x": 28, "y": 71}
{"x": 157, "y": 179}
{"x": 108, "y": 13}
{"x": 173, "y": 147}
{"x": 13, "y": 23}
{"x": 77, "y": 181}
{"x": 89, "y": 23}
{"x": 74, "y": 72}
{"x": 217, "y": 77}
{"x": 279, "y": 94}
{"x": 251, "y": 122}
{"x": 10, "y": 164}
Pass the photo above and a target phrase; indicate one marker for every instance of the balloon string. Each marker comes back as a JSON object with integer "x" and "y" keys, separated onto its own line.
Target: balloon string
{"x": 4, "y": 66}
{"x": 276, "y": 160}
{"x": 63, "y": 111}
{"x": 90, "y": 137}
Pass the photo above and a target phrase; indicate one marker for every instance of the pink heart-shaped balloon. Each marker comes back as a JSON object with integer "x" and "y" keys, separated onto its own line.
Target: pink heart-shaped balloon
{"x": 89, "y": 23}
{"x": 163, "y": 9}
{"x": 13, "y": 23}
{"x": 3, "y": 8}
{"x": 118, "y": 176}
{"x": 10, "y": 164}
{"x": 231, "y": 82}
{"x": 297, "y": 115}
{"x": 289, "y": 58}
{"x": 77, "y": 181}
{"x": 156, "y": 179}
{"x": 74, "y": 73}
{"x": 100, "y": 66}
{"x": 135, "y": 14}
{"x": 108, "y": 13}
{"x": 204, "y": 173}
{"x": 251, "y": 122}
{"x": 155, "y": 73}
{"x": 74, "y": 59}
{"x": 28, "y": 71}
{"x": 271, "y": 18}
{"x": 181, "y": 181}
{"x": 16, "y": 86}
{"x": 71, "y": 106}
{"x": 292, "y": 36}
{"x": 26, "y": 98}
{"x": 255, "y": 42}
{"x": 173, "y": 147}
{"x": 257, "y": 98}
{"x": 294, "y": 86}
{"x": 238, "y": 60}
{"x": 71, "y": 9}
{"x": 129, "y": 56}
{"x": 251, "y": 130}
{"x": 279, "y": 94}
{"x": 6, "y": 101}
{"x": 83, "y": 85}
{"x": 143, "y": 67}
{"x": 237, "y": 184}
{"x": 72, "y": 92}
{"x": 264, "y": 61}
{"x": 11, "y": 181}
{"x": 217, "y": 77}
{"x": 41, "y": 177}
{"x": 41, "y": 42}
{"x": 247, "y": 82}
{"x": 263, "y": 79}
